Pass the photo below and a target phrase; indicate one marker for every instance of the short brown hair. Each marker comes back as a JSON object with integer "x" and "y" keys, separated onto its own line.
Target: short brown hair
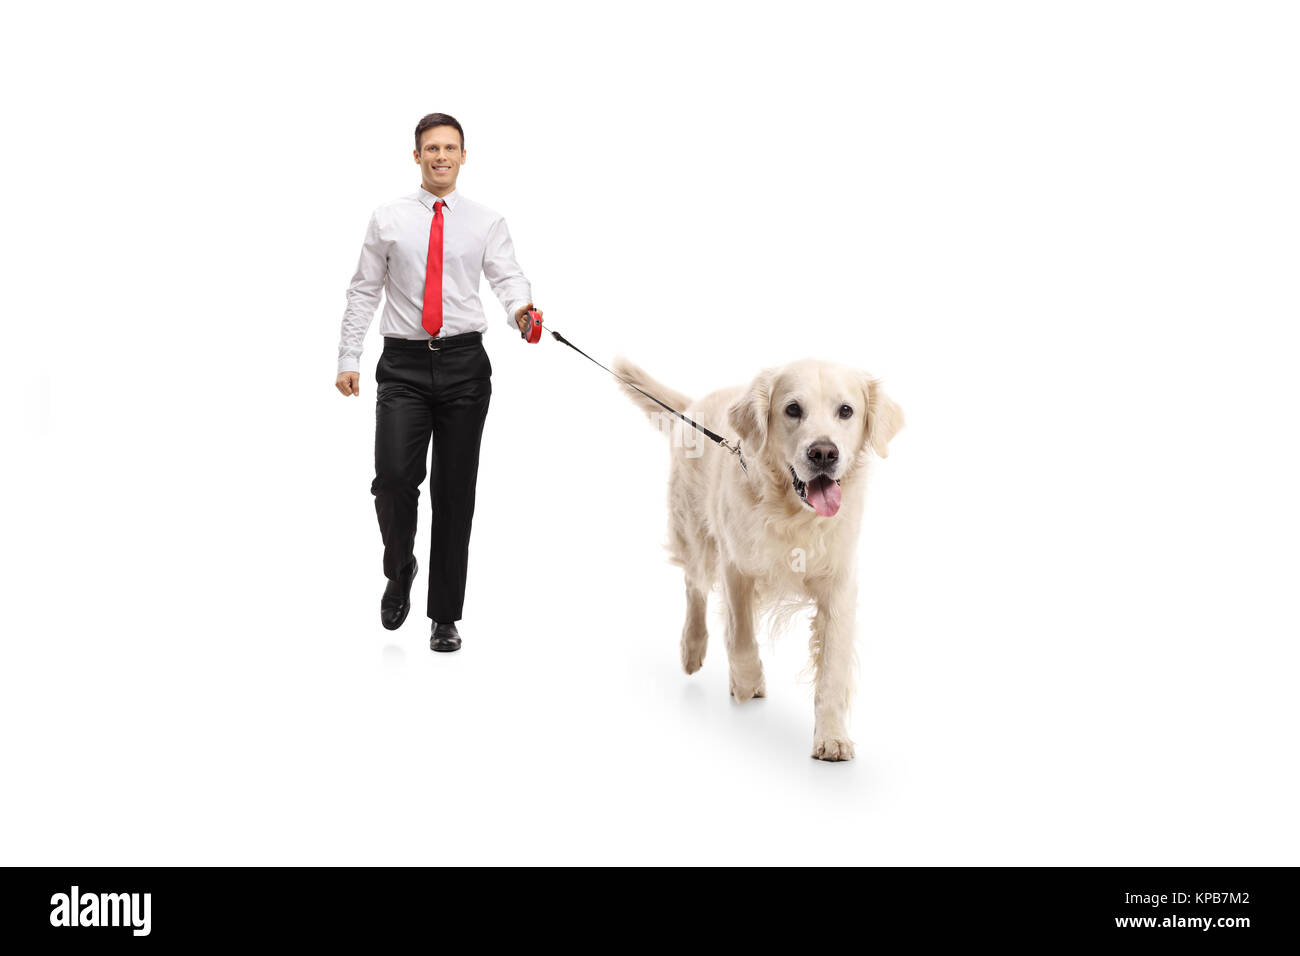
{"x": 438, "y": 119}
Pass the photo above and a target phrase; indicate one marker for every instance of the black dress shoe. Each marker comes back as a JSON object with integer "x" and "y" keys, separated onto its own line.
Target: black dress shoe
{"x": 397, "y": 599}
{"x": 444, "y": 638}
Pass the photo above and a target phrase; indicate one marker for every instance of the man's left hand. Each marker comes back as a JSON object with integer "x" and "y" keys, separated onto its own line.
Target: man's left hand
{"x": 521, "y": 318}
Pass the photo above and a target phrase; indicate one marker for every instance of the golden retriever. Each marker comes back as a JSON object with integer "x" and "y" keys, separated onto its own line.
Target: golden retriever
{"x": 783, "y": 534}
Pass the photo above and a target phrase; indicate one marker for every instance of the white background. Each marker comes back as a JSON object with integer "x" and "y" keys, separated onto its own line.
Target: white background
{"x": 1063, "y": 234}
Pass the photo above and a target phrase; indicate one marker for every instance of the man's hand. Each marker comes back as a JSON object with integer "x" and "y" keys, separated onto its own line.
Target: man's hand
{"x": 521, "y": 318}
{"x": 349, "y": 383}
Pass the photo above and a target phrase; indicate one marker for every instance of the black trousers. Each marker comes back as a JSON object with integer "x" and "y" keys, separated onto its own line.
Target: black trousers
{"x": 421, "y": 393}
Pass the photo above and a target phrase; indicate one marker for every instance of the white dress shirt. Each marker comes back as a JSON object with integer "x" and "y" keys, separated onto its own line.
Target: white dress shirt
{"x": 395, "y": 257}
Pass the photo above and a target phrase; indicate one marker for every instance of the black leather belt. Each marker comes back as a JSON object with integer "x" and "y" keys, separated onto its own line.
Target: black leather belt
{"x": 435, "y": 344}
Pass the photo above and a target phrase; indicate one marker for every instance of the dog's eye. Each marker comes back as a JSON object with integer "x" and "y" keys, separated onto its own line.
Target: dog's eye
{"x": 846, "y": 411}
{"x": 793, "y": 410}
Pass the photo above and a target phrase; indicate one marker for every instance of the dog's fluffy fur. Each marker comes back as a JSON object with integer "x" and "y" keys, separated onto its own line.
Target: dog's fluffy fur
{"x": 756, "y": 535}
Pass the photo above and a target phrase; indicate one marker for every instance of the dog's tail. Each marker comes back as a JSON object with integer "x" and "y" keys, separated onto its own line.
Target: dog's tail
{"x": 638, "y": 377}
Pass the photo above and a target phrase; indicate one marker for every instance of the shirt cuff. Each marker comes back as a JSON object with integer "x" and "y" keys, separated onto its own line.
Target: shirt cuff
{"x": 349, "y": 363}
{"x": 513, "y": 310}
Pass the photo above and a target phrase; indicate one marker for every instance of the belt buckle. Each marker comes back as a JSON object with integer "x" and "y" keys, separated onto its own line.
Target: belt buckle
{"x": 432, "y": 347}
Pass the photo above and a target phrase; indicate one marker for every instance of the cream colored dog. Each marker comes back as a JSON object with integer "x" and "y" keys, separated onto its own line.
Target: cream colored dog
{"x": 784, "y": 534}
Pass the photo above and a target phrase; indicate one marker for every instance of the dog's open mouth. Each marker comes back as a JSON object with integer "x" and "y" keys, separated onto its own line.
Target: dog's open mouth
{"x": 822, "y": 494}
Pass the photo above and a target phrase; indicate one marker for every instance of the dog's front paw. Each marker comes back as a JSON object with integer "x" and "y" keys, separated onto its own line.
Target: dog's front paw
{"x": 743, "y": 688}
{"x": 692, "y": 655}
{"x": 831, "y": 747}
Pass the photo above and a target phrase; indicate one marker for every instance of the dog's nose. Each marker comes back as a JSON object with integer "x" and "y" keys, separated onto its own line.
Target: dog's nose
{"x": 823, "y": 453}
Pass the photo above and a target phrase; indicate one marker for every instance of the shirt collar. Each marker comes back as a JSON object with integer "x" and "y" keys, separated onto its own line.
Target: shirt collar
{"x": 428, "y": 198}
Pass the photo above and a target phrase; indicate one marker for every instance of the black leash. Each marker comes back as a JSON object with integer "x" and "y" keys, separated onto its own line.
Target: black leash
{"x": 734, "y": 449}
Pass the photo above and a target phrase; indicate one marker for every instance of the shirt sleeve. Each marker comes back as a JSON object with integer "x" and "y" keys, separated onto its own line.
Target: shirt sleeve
{"x": 363, "y": 297}
{"x": 503, "y": 272}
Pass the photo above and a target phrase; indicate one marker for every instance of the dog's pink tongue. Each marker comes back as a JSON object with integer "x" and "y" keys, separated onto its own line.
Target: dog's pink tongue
{"x": 824, "y": 495}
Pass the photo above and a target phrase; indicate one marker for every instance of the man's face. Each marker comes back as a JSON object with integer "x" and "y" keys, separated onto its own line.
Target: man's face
{"x": 440, "y": 158}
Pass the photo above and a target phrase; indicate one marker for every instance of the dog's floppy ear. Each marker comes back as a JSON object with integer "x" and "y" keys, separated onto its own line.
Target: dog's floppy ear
{"x": 884, "y": 417}
{"x": 748, "y": 414}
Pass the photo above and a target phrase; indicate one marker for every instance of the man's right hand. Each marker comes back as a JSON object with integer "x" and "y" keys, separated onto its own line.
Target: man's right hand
{"x": 349, "y": 383}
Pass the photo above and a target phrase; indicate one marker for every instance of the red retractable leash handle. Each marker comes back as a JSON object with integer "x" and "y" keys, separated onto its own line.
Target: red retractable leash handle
{"x": 533, "y": 333}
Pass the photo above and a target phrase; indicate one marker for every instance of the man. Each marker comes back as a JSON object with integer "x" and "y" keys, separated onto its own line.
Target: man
{"x": 427, "y": 251}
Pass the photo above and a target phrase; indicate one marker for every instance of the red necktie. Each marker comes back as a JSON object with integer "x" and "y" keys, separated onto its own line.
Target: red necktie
{"x": 431, "y": 314}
